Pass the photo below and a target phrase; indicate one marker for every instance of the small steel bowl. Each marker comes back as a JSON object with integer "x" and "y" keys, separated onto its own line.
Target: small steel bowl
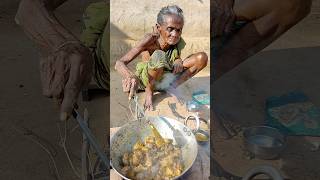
{"x": 201, "y": 135}
{"x": 264, "y": 142}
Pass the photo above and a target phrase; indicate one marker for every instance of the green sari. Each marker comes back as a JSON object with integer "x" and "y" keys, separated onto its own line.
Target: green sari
{"x": 158, "y": 60}
{"x": 95, "y": 36}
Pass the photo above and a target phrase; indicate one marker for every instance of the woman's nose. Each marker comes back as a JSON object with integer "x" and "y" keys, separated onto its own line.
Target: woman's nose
{"x": 175, "y": 33}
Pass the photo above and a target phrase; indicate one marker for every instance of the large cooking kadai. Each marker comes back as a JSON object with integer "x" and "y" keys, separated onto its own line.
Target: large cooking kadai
{"x": 125, "y": 138}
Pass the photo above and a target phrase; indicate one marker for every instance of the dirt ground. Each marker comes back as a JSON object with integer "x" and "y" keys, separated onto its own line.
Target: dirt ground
{"x": 289, "y": 63}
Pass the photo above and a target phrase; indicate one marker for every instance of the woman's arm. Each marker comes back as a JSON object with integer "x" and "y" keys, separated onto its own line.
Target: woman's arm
{"x": 143, "y": 45}
{"x": 130, "y": 81}
{"x": 65, "y": 64}
{"x": 37, "y": 19}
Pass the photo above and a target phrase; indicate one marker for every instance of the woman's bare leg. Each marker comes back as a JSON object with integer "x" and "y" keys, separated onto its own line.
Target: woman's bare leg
{"x": 193, "y": 65}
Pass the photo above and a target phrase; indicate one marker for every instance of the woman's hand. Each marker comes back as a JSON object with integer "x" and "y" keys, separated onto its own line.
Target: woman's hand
{"x": 177, "y": 66}
{"x": 130, "y": 85}
{"x": 64, "y": 73}
{"x": 66, "y": 65}
{"x": 148, "y": 104}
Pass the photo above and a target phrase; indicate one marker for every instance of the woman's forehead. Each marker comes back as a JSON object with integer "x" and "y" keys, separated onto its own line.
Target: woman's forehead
{"x": 173, "y": 20}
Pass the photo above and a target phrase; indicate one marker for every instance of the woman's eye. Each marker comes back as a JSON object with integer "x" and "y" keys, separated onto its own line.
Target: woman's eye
{"x": 169, "y": 29}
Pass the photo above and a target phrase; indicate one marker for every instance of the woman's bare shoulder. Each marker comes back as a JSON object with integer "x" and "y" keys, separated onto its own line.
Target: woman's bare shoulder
{"x": 148, "y": 40}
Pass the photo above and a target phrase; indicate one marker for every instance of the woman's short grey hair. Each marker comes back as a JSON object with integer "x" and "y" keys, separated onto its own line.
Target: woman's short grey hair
{"x": 169, "y": 10}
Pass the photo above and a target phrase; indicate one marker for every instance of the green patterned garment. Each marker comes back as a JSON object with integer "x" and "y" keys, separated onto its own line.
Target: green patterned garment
{"x": 158, "y": 60}
{"x": 95, "y": 35}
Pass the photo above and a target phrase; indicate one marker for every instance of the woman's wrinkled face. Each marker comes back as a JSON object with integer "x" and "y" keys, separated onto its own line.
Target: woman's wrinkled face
{"x": 170, "y": 31}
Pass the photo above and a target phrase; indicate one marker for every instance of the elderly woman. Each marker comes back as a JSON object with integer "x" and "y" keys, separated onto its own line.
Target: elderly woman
{"x": 161, "y": 60}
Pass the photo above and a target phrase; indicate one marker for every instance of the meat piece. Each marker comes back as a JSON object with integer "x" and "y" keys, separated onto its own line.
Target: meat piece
{"x": 153, "y": 160}
{"x": 148, "y": 160}
{"x": 155, "y": 169}
{"x": 125, "y": 159}
{"x": 145, "y": 175}
{"x": 150, "y": 140}
{"x": 150, "y": 146}
{"x": 136, "y": 158}
{"x": 125, "y": 169}
{"x": 131, "y": 174}
{"x": 168, "y": 172}
{"x": 138, "y": 146}
{"x": 168, "y": 141}
{"x": 139, "y": 168}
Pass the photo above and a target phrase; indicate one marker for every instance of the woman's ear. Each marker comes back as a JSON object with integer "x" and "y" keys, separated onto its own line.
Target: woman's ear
{"x": 157, "y": 29}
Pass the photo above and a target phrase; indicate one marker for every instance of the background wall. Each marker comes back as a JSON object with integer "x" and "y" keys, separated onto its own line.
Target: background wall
{"x": 131, "y": 19}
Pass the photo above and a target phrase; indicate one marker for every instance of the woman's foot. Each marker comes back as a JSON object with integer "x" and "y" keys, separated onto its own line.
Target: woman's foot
{"x": 148, "y": 105}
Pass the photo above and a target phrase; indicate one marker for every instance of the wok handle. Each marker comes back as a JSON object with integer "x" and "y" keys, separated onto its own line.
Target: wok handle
{"x": 196, "y": 118}
{"x": 263, "y": 169}
{"x": 91, "y": 139}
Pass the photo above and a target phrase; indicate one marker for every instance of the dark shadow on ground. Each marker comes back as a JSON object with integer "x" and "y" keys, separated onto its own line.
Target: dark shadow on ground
{"x": 242, "y": 94}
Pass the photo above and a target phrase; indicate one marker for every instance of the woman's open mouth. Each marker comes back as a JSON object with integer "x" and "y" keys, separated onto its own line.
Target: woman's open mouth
{"x": 173, "y": 40}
